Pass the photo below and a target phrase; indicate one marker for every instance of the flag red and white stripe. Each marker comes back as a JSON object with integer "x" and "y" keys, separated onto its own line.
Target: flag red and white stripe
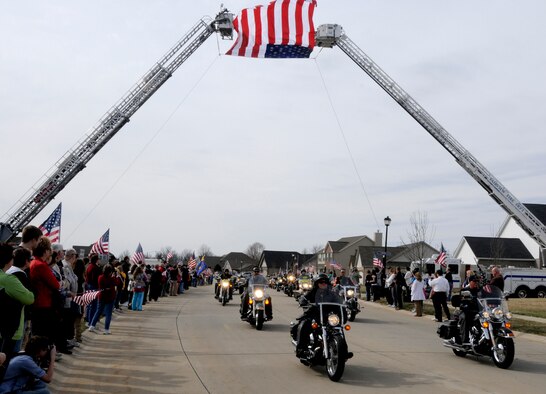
{"x": 377, "y": 262}
{"x": 441, "y": 259}
{"x": 169, "y": 256}
{"x": 86, "y": 298}
{"x": 282, "y": 29}
{"x": 51, "y": 228}
{"x": 138, "y": 256}
{"x": 102, "y": 245}
{"x": 335, "y": 265}
{"x": 192, "y": 263}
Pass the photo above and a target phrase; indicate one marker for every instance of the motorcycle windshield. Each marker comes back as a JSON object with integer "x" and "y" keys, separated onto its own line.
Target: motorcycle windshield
{"x": 328, "y": 308}
{"x": 491, "y": 297}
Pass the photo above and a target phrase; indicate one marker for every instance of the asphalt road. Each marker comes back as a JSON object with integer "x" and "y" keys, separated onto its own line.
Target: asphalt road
{"x": 191, "y": 344}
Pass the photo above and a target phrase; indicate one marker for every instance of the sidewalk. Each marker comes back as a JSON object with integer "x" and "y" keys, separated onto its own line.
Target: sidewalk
{"x": 143, "y": 355}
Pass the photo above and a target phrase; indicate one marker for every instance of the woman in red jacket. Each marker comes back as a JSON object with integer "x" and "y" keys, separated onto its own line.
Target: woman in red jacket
{"x": 107, "y": 286}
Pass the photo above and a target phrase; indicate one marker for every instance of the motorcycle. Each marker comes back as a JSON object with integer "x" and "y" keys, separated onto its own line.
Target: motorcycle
{"x": 305, "y": 284}
{"x": 280, "y": 283}
{"x": 225, "y": 290}
{"x": 327, "y": 344}
{"x": 290, "y": 285}
{"x": 350, "y": 295}
{"x": 257, "y": 302}
{"x": 489, "y": 335}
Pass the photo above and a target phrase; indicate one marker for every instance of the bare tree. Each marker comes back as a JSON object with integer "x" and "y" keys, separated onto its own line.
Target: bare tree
{"x": 123, "y": 254}
{"x": 497, "y": 250}
{"x": 316, "y": 248}
{"x": 185, "y": 254}
{"x": 255, "y": 250}
{"x": 204, "y": 250}
{"x": 419, "y": 234}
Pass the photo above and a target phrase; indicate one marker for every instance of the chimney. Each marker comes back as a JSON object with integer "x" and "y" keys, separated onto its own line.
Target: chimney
{"x": 378, "y": 238}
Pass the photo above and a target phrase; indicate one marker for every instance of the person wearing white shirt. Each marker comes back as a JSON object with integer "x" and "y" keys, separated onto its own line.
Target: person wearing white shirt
{"x": 440, "y": 289}
{"x": 418, "y": 294}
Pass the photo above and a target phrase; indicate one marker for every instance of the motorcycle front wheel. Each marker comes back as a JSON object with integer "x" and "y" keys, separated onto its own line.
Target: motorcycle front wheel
{"x": 503, "y": 354}
{"x": 335, "y": 364}
{"x": 259, "y": 320}
{"x": 224, "y": 300}
{"x": 352, "y": 315}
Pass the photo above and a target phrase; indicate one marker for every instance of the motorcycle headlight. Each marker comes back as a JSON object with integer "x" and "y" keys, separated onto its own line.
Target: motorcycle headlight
{"x": 508, "y": 315}
{"x": 259, "y": 293}
{"x": 225, "y": 284}
{"x": 350, "y": 293}
{"x": 291, "y": 278}
{"x": 305, "y": 286}
{"x": 333, "y": 320}
{"x": 498, "y": 313}
{"x": 486, "y": 315}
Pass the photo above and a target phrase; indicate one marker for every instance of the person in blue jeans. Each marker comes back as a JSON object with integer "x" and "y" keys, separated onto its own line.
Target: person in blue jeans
{"x": 108, "y": 284}
{"x": 139, "y": 277}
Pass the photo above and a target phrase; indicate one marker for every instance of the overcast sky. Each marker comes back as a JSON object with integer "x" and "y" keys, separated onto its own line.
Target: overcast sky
{"x": 250, "y": 150}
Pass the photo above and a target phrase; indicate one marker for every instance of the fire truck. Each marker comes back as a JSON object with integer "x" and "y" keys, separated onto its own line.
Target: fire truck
{"x": 327, "y": 36}
{"x": 524, "y": 282}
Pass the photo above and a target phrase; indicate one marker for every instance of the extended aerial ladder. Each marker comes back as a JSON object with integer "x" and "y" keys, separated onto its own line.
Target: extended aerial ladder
{"x": 115, "y": 118}
{"x": 327, "y": 36}
{"x": 330, "y": 35}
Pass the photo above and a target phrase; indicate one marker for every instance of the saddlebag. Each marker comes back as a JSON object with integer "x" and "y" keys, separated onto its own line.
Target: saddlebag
{"x": 447, "y": 329}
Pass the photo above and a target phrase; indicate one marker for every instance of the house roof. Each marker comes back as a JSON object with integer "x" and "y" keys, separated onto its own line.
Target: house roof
{"x": 337, "y": 245}
{"x": 539, "y": 210}
{"x": 506, "y": 248}
{"x": 275, "y": 259}
{"x": 395, "y": 253}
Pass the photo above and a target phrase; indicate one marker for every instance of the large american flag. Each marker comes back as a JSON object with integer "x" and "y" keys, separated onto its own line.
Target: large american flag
{"x": 102, "y": 245}
{"x": 441, "y": 259}
{"x": 51, "y": 228}
{"x": 86, "y": 298}
{"x": 138, "y": 256}
{"x": 335, "y": 265}
{"x": 282, "y": 29}
{"x": 169, "y": 256}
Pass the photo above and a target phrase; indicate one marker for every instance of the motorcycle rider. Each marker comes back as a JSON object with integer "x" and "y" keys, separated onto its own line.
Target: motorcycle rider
{"x": 255, "y": 279}
{"x": 225, "y": 275}
{"x": 321, "y": 292}
{"x": 343, "y": 280}
{"x": 469, "y": 308}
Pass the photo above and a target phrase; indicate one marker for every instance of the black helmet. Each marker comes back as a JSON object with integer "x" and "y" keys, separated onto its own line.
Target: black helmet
{"x": 322, "y": 278}
{"x": 256, "y": 269}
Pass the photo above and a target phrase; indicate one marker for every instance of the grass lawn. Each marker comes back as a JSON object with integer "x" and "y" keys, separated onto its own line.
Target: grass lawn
{"x": 531, "y": 307}
{"x": 528, "y": 306}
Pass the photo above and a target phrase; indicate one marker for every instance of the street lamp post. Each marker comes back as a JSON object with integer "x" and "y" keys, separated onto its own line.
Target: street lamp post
{"x": 387, "y": 222}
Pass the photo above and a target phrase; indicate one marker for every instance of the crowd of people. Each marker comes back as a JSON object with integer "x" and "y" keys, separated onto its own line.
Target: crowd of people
{"x": 413, "y": 286}
{"x": 49, "y": 296}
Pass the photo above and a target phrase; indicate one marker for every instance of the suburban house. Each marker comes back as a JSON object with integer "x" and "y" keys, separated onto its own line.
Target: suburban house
{"x": 510, "y": 229}
{"x": 488, "y": 251}
{"x": 344, "y": 250}
{"x": 397, "y": 256}
{"x": 237, "y": 261}
{"x": 272, "y": 261}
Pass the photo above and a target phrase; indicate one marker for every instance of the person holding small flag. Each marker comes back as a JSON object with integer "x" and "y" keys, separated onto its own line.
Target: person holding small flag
{"x": 107, "y": 286}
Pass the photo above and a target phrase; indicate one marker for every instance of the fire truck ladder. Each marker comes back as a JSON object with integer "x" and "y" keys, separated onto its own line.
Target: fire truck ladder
{"x": 329, "y": 35}
{"x": 115, "y": 118}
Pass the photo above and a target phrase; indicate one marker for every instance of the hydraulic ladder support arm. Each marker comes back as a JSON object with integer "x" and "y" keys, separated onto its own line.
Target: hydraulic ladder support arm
{"x": 330, "y": 35}
{"x": 115, "y": 118}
